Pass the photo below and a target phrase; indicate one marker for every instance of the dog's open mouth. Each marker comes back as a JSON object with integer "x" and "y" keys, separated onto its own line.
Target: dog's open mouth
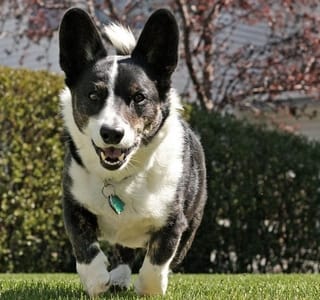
{"x": 112, "y": 158}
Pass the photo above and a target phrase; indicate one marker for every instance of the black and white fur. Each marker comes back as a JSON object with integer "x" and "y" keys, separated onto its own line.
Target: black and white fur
{"x": 125, "y": 137}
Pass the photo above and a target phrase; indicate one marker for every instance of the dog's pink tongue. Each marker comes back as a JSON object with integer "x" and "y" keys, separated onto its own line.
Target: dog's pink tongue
{"x": 112, "y": 152}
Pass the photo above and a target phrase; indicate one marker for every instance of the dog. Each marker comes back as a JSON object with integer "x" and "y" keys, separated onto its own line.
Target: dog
{"x": 134, "y": 171}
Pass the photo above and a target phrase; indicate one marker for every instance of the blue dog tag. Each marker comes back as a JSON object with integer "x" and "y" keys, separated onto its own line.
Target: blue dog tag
{"x": 116, "y": 204}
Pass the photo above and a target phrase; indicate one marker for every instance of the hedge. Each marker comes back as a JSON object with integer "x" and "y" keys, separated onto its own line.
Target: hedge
{"x": 263, "y": 213}
{"x": 263, "y": 207}
{"x": 32, "y": 236}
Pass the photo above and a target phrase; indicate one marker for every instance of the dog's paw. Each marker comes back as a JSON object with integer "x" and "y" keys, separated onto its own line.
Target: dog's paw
{"x": 151, "y": 286}
{"x": 98, "y": 284}
{"x": 152, "y": 280}
{"x": 94, "y": 276}
{"x": 120, "y": 277}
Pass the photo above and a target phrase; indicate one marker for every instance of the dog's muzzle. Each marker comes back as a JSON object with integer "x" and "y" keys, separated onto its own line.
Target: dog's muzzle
{"x": 112, "y": 158}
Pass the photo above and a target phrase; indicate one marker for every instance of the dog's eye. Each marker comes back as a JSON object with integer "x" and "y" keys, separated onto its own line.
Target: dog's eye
{"x": 138, "y": 98}
{"x": 93, "y": 96}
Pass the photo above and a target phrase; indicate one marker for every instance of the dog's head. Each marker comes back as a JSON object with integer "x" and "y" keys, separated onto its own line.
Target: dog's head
{"x": 119, "y": 102}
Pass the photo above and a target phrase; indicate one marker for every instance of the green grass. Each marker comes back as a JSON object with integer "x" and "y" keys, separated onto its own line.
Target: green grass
{"x": 186, "y": 287}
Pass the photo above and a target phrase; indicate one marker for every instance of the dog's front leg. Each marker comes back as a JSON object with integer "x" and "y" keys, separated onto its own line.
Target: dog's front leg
{"x": 91, "y": 262}
{"x": 153, "y": 275}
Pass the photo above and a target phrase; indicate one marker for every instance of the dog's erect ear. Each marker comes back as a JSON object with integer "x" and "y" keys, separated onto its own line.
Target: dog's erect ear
{"x": 157, "y": 47}
{"x": 80, "y": 43}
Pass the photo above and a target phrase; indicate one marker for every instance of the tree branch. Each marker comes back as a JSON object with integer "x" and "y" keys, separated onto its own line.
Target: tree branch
{"x": 205, "y": 102}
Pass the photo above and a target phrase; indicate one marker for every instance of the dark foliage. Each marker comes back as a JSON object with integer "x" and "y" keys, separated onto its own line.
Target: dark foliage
{"x": 262, "y": 214}
{"x": 263, "y": 211}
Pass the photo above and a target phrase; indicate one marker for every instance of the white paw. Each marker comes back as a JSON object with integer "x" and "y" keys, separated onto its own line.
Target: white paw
{"x": 121, "y": 276}
{"x": 94, "y": 276}
{"x": 145, "y": 287}
{"x": 152, "y": 280}
{"x": 98, "y": 284}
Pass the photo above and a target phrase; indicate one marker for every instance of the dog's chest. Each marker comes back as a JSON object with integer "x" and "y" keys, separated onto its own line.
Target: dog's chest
{"x": 146, "y": 200}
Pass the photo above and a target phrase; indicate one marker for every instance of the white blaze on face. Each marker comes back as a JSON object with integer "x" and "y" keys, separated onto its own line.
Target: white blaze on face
{"x": 109, "y": 116}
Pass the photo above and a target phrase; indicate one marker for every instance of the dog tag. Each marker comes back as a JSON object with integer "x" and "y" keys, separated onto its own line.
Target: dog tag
{"x": 116, "y": 204}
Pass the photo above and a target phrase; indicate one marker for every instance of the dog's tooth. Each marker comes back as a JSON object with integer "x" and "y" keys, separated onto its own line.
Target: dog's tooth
{"x": 102, "y": 155}
{"x": 121, "y": 157}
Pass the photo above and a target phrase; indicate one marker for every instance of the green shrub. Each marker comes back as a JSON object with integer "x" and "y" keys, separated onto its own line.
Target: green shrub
{"x": 32, "y": 236}
{"x": 263, "y": 210}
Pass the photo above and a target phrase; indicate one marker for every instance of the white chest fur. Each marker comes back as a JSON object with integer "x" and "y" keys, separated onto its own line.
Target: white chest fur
{"x": 147, "y": 194}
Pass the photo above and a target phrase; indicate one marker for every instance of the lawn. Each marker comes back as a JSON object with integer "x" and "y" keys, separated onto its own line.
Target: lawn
{"x": 186, "y": 287}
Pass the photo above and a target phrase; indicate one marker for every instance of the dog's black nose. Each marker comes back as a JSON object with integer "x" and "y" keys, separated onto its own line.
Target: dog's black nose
{"x": 111, "y": 135}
